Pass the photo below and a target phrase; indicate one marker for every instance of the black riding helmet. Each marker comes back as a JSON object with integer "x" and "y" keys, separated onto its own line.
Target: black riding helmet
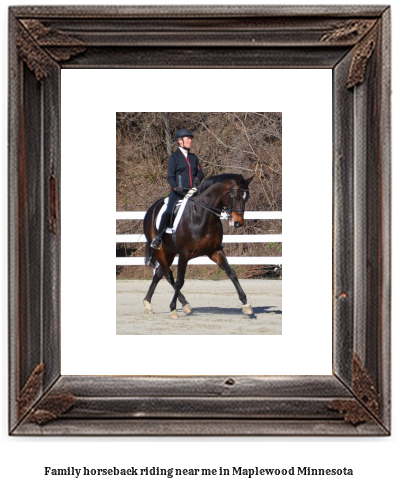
{"x": 183, "y": 133}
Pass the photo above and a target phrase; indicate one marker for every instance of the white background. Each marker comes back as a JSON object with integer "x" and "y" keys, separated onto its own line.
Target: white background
{"x": 90, "y": 99}
{"x": 374, "y": 460}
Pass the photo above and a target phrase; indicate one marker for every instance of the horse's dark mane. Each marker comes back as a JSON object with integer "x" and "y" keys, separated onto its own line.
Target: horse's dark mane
{"x": 220, "y": 178}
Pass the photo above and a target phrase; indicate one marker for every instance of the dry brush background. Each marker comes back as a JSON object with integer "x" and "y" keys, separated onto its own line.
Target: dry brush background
{"x": 242, "y": 143}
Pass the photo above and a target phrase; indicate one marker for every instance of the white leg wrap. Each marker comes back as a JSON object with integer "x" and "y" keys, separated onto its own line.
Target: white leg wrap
{"x": 147, "y": 307}
{"x": 187, "y": 309}
{"x": 247, "y": 309}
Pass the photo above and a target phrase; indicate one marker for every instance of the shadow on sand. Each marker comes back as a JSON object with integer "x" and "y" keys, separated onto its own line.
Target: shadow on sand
{"x": 235, "y": 311}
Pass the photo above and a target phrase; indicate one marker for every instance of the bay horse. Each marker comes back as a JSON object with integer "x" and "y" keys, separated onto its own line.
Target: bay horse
{"x": 199, "y": 233}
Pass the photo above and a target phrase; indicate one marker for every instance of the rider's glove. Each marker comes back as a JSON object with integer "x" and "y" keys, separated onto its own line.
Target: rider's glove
{"x": 197, "y": 182}
{"x": 179, "y": 191}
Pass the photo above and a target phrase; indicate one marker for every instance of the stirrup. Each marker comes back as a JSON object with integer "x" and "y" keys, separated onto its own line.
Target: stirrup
{"x": 155, "y": 244}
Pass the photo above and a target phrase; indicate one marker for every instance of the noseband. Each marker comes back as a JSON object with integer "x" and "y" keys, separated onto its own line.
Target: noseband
{"x": 226, "y": 208}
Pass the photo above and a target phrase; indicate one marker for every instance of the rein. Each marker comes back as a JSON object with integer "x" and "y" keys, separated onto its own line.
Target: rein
{"x": 210, "y": 209}
{"x": 226, "y": 209}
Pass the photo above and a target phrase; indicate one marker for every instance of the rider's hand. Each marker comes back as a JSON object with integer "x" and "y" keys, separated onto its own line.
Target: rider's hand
{"x": 197, "y": 182}
{"x": 178, "y": 191}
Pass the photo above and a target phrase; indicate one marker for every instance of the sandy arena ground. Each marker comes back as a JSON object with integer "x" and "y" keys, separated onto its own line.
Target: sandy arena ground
{"x": 215, "y": 304}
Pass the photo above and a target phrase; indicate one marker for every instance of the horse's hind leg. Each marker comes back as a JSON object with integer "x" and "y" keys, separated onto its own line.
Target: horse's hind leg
{"x": 163, "y": 268}
{"x": 169, "y": 257}
{"x": 158, "y": 274}
{"x": 219, "y": 257}
{"x": 186, "y": 306}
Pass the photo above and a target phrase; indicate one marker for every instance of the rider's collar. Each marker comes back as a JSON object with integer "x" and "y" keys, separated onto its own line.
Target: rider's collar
{"x": 184, "y": 150}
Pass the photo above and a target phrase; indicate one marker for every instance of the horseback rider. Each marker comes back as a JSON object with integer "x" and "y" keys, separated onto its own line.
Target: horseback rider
{"x": 184, "y": 173}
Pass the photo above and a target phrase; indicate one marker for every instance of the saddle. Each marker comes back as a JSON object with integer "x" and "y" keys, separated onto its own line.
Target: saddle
{"x": 176, "y": 214}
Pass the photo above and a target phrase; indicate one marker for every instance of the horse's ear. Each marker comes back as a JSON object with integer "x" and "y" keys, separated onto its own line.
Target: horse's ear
{"x": 250, "y": 179}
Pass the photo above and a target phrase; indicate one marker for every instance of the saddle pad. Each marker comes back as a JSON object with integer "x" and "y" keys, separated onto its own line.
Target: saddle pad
{"x": 172, "y": 230}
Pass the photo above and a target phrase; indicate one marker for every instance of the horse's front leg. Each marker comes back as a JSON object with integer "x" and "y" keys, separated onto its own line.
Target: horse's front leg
{"x": 219, "y": 257}
{"x": 181, "y": 271}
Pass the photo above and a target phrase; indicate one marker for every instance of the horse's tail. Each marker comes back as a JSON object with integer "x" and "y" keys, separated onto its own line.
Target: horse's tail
{"x": 149, "y": 258}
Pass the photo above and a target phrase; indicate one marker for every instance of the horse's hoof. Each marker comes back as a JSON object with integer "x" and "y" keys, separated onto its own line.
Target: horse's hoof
{"x": 173, "y": 315}
{"x": 187, "y": 309}
{"x": 247, "y": 309}
{"x": 148, "y": 308}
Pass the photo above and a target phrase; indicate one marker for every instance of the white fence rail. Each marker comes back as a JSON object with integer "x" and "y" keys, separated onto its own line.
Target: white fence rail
{"x": 247, "y": 215}
{"x": 202, "y": 260}
{"x": 232, "y": 238}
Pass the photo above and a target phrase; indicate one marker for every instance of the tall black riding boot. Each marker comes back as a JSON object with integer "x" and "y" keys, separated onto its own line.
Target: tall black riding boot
{"x": 157, "y": 241}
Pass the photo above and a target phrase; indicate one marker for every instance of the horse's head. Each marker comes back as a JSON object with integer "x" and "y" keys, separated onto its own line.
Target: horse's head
{"x": 229, "y": 192}
{"x": 238, "y": 196}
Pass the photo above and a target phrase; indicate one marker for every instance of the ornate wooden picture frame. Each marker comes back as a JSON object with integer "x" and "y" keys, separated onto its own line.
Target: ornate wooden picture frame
{"x": 352, "y": 41}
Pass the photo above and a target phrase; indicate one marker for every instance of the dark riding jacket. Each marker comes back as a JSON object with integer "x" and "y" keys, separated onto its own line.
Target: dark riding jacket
{"x": 181, "y": 172}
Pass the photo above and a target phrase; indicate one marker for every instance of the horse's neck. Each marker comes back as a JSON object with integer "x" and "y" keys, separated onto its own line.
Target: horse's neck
{"x": 214, "y": 195}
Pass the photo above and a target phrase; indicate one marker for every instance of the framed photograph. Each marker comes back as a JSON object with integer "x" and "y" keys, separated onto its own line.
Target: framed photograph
{"x": 240, "y": 155}
{"x": 47, "y": 45}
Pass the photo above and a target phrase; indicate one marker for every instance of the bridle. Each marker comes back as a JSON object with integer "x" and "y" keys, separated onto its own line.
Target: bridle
{"x": 228, "y": 208}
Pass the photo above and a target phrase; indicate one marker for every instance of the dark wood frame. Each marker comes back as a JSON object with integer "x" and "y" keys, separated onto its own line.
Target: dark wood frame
{"x": 353, "y": 41}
